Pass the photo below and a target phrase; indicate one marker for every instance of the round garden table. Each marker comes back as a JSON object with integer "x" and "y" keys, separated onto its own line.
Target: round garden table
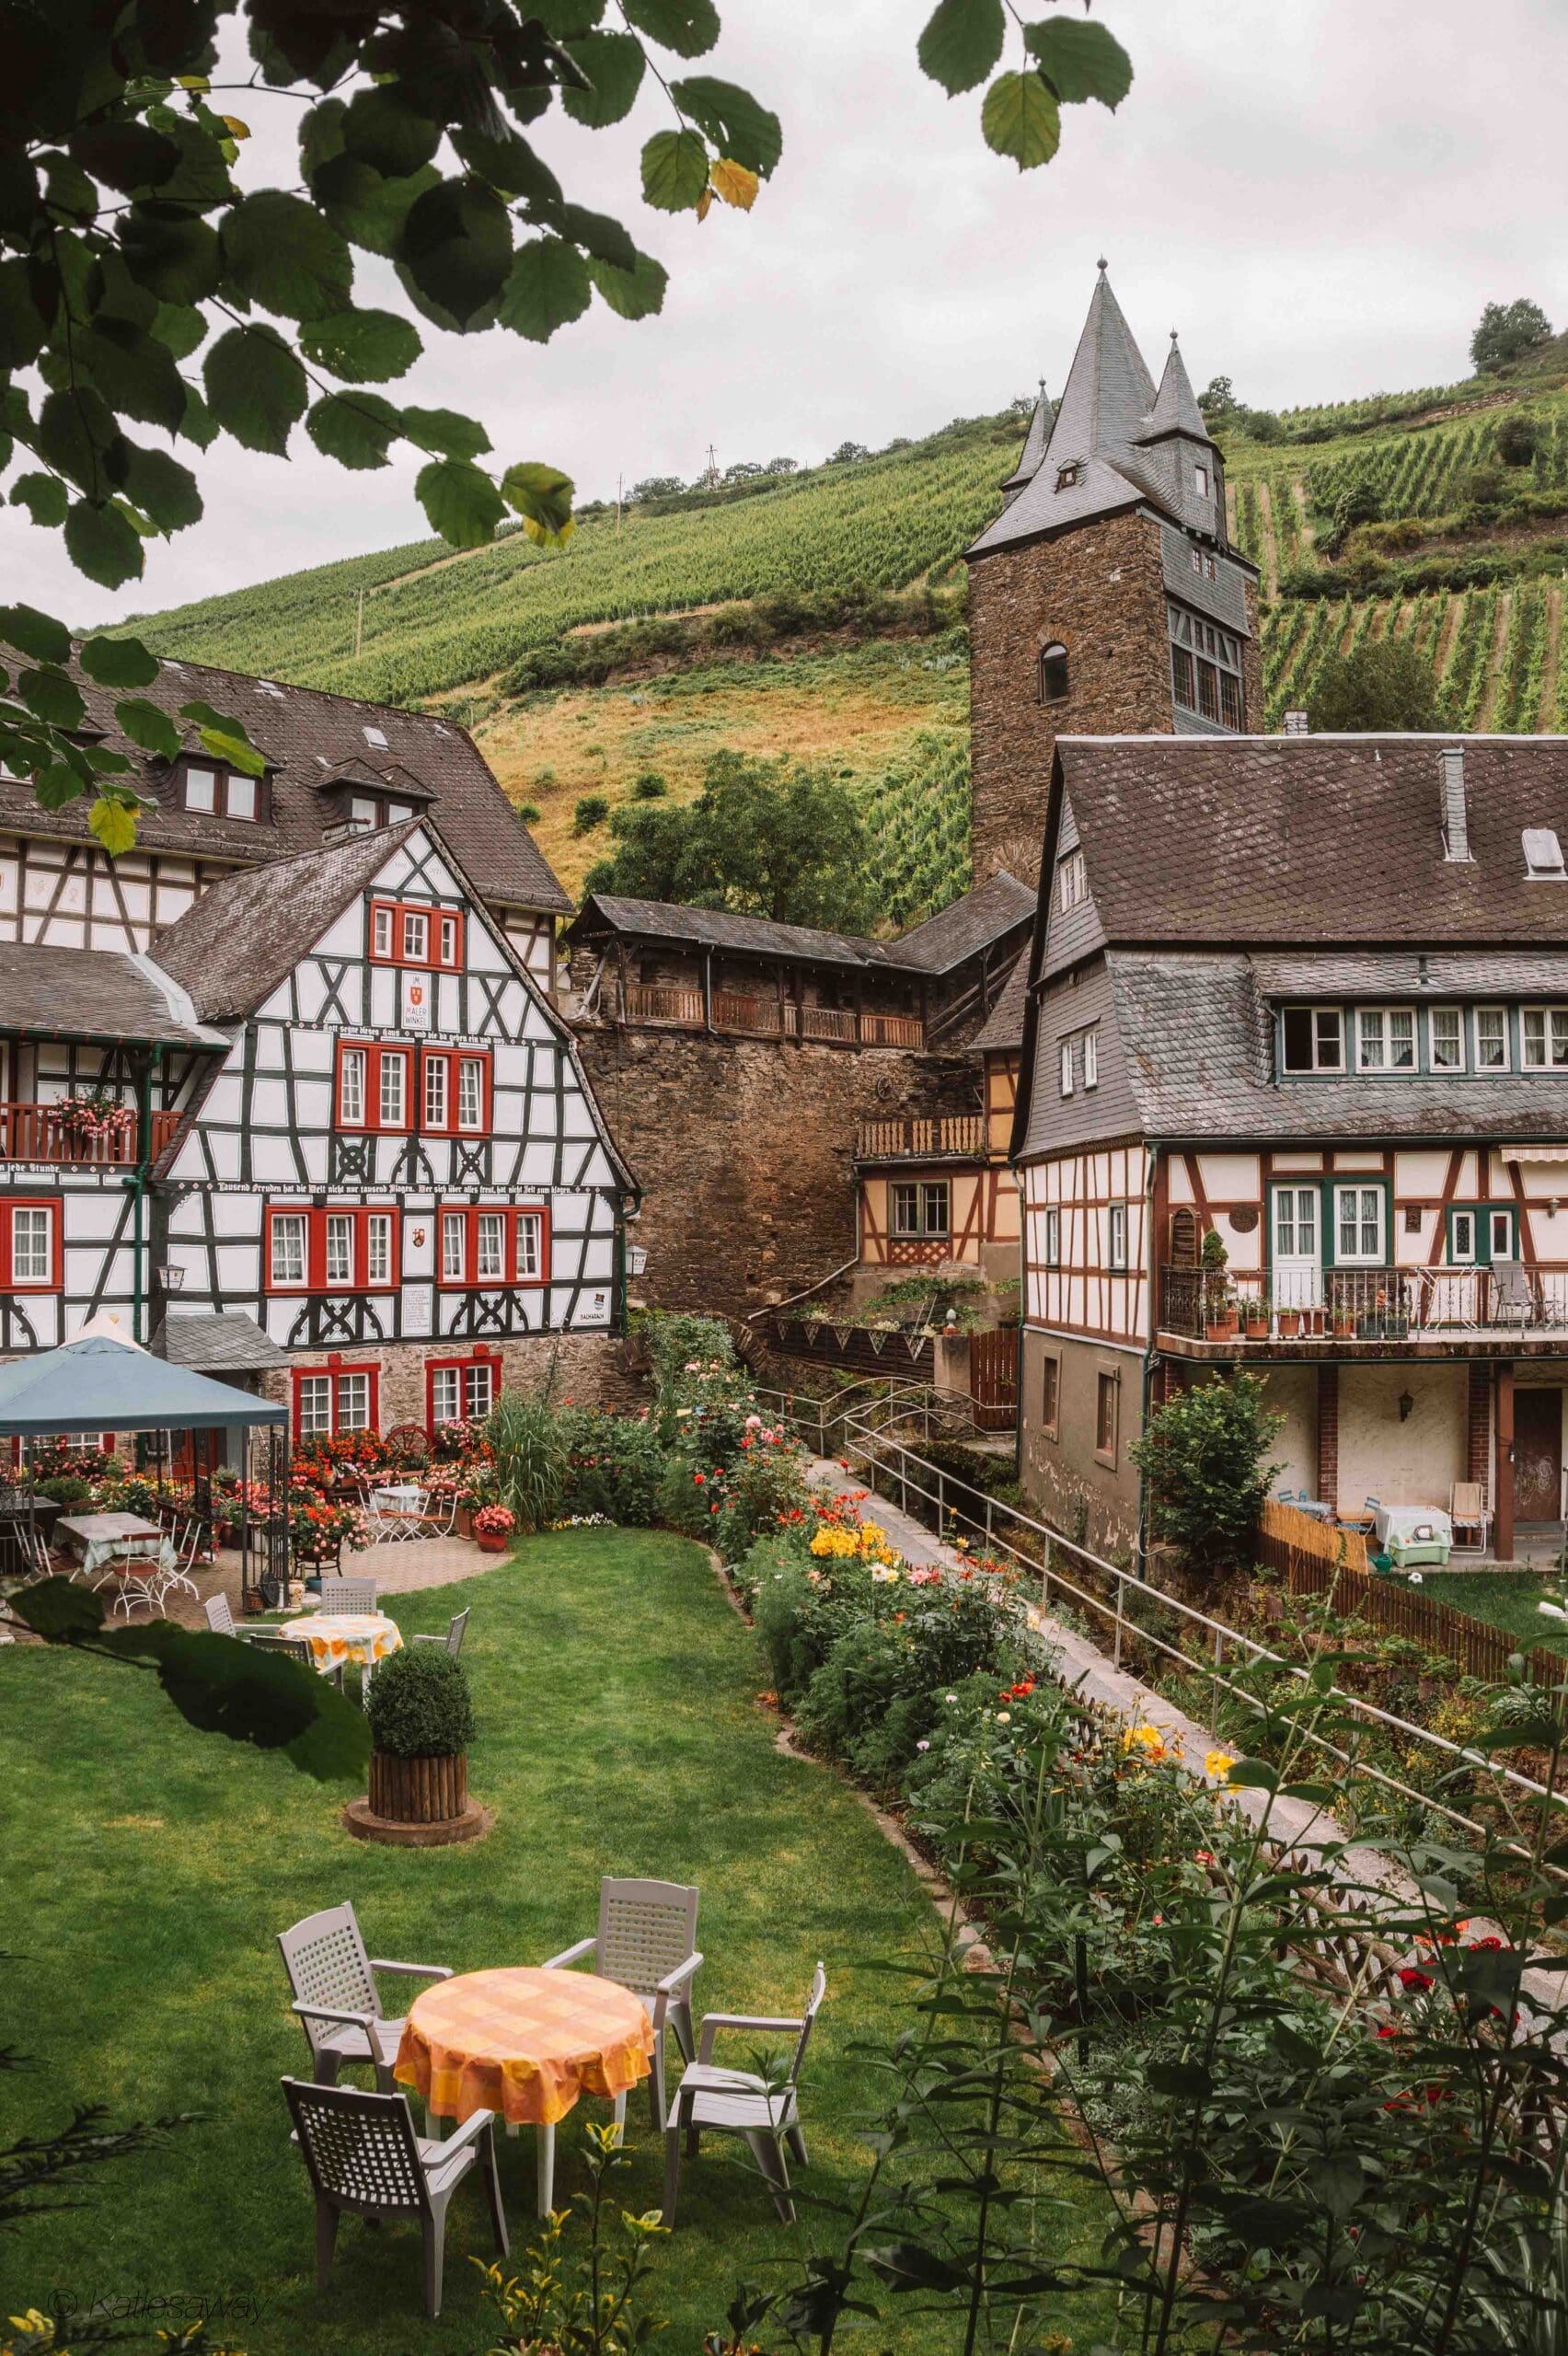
{"x": 335, "y": 1637}
{"x": 526, "y": 2043}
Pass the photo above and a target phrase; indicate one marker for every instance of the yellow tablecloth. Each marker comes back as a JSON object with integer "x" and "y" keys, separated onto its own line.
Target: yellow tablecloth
{"x": 526, "y": 2043}
{"x": 337, "y": 1636}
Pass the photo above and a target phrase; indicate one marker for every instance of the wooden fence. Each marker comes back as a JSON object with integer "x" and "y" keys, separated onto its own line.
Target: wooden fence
{"x": 1316, "y": 1560}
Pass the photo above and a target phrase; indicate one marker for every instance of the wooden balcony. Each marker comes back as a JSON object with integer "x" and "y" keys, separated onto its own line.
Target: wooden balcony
{"x": 736, "y": 1015}
{"x": 51, "y": 1133}
{"x": 1388, "y": 1308}
{"x": 919, "y": 1137}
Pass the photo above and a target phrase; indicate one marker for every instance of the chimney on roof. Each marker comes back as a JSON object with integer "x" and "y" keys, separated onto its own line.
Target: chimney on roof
{"x": 1456, "y": 827}
{"x": 1297, "y": 724}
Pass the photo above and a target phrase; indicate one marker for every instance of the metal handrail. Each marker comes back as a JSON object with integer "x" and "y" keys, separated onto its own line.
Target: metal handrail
{"x": 1222, "y": 1634}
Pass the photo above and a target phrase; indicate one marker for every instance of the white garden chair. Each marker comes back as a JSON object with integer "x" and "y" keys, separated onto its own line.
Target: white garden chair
{"x": 353, "y": 1595}
{"x": 647, "y": 1941}
{"x": 396, "y": 1516}
{"x": 364, "y": 2156}
{"x": 453, "y": 1639}
{"x": 737, "y": 2102}
{"x": 335, "y": 1995}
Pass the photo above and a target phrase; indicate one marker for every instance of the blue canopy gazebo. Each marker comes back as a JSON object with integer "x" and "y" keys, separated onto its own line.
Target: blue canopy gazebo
{"x": 100, "y": 1383}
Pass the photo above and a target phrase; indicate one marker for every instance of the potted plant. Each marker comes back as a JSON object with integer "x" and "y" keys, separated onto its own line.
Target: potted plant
{"x": 96, "y": 1125}
{"x": 1289, "y": 1321}
{"x": 1383, "y": 1324}
{"x": 421, "y": 1722}
{"x": 1220, "y": 1318}
{"x": 493, "y": 1525}
{"x": 1344, "y": 1321}
{"x": 1256, "y": 1317}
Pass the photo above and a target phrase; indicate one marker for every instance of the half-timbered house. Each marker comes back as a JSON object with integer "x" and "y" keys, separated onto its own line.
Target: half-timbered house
{"x": 1295, "y": 1097}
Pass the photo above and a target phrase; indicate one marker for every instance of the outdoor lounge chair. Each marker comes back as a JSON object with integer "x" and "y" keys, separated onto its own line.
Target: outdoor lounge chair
{"x": 647, "y": 1941}
{"x": 453, "y": 1639}
{"x": 1513, "y": 1298}
{"x": 363, "y": 2156}
{"x": 735, "y": 2102}
{"x": 334, "y": 1996}
{"x": 1467, "y": 1510}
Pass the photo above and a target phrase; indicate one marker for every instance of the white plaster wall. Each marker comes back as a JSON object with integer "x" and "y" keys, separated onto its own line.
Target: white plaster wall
{"x": 1293, "y": 1393}
{"x": 1412, "y": 1464}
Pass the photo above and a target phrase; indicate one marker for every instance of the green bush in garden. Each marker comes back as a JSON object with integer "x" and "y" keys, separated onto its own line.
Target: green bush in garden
{"x": 614, "y": 1465}
{"x": 529, "y": 1446}
{"x": 418, "y": 1704}
{"x": 1204, "y": 1459}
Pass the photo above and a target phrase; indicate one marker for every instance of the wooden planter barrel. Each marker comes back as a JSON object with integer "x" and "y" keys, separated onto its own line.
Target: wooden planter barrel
{"x": 418, "y": 1791}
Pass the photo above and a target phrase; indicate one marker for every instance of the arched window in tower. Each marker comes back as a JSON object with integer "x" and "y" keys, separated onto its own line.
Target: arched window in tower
{"x": 1054, "y": 673}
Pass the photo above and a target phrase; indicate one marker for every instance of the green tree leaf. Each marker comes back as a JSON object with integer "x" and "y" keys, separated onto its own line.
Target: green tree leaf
{"x": 101, "y": 542}
{"x": 548, "y": 286}
{"x": 674, "y": 170}
{"x": 362, "y": 347}
{"x": 542, "y": 496}
{"x": 1020, "y": 119}
{"x": 45, "y": 497}
{"x": 741, "y": 129}
{"x": 55, "y": 786}
{"x": 77, "y": 430}
{"x": 175, "y": 258}
{"x": 457, "y": 247}
{"x": 35, "y": 634}
{"x": 256, "y": 389}
{"x": 462, "y": 503}
{"x": 52, "y": 695}
{"x": 380, "y": 128}
{"x": 224, "y": 737}
{"x": 180, "y": 325}
{"x": 119, "y": 662}
{"x": 688, "y": 26}
{"x": 614, "y": 65}
{"x": 286, "y": 257}
{"x": 635, "y": 294}
{"x": 124, "y": 155}
{"x": 357, "y": 428}
{"x": 567, "y": 19}
{"x": 22, "y": 326}
{"x": 164, "y": 490}
{"x": 447, "y": 432}
{"x": 114, "y": 824}
{"x": 147, "y": 725}
{"x": 134, "y": 371}
{"x": 596, "y": 233}
{"x": 1082, "y": 61}
{"x": 962, "y": 42}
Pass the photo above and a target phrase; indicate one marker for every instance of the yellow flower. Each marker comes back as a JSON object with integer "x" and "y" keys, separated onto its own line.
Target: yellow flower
{"x": 1218, "y": 1764}
{"x": 1147, "y": 1739}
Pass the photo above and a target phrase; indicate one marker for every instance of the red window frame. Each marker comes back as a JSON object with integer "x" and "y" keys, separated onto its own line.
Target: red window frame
{"x": 459, "y": 1367}
{"x": 437, "y": 922}
{"x": 376, "y": 1052}
{"x": 333, "y": 1372}
{"x": 511, "y": 1280}
{"x": 315, "y": 1216}
{"x": 454, "y": 1059}
{"x": 54, "y": 1206}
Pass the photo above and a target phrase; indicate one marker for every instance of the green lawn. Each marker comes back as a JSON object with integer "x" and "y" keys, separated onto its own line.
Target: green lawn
{"x": 148, "y": 1868}
{"x": 1505, "y": 1599}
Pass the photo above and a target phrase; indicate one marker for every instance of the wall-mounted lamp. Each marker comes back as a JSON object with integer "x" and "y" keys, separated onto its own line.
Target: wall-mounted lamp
{"x": 1407, "y": 1406}
{"x": 171, "y": 1278}
{"x": 1554, "y": 1204}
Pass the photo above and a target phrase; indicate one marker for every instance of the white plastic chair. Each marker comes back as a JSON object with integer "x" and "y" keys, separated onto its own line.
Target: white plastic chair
{"x": 453, "y": 1639}
{"x": 737, "y": 2102}
{"x": 335, "y": 1995}
{"x": 364, "y": 2156}
{"x": 353, "y": 1596}
{"x": 647, "y": 1941}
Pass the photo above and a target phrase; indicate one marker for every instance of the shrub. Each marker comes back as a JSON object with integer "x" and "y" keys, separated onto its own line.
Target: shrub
{"x": 1203, "y": 1454}
{"x": 764, "y": 1485}
{"x": 529, "y": 813}
{"x": 1384, "y": 685}
{"x": 418, "y": 1704}
{"x": 529, "y": 1448}
{"x": 1518, "y": 439}
{"x": 614, "y": 1466}
{"x": 649, "y": 787}
{"x": 65, "y": 1490}
{"x": 591, "y": 811}
{"x": 682, "y": 1500}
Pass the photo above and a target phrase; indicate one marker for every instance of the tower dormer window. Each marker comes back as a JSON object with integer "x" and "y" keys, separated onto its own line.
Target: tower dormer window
{"x": 1067, "y": 476}
{"x": 1200, "y": 481}
{"x": 1054, "y": 673}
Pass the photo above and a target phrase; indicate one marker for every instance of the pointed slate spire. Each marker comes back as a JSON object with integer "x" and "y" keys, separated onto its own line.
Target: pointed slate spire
{"x": 1033, "y": 450}
{"x": 1176, "y": 409}
{"x": 1109, "y": 392}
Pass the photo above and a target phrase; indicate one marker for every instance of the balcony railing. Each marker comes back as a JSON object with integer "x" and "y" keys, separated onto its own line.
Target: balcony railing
{"x": 741, "y": 1016}
{"x": 1363, "y": 1304}
{"x": 55, "y": 1133}
{"x": 919, "y": 1138}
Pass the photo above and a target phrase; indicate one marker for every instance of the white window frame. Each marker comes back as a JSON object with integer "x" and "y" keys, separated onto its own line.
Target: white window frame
{"x": 25, "y": 1269}
{"x": 471, "y": 1073}
{"x": 350, "y": 1088}
{"x": 1116, "y": 1235}
{"x": 394, "y": 1117}
{"x": 445, "y": 1394}
{"x": 1200, "y": 481}
{"x": 338, "y": 1251}
{"x": 453, "y": 1267}
{"x": 1383, "y": 1018}
{"x": 416, "y": 927}
{"x": 362, "y": 810}
{"x": 353, "y": 1384}
{"x": 315, "y": 1406}
{"x": 1478, "y": 1065}
{"x": 1072, "y": 881}
{"x": 530, "y": 1244}
{"x": 479, "y": 1389}
{"x": 448, "y": 938}
{"x": 1457, "y": 1255}
{"x": 1091, "y": 1058}
{"x": 1052, "y": 1245}
{"x": 378, "y": 1248}
{"x": 212, "y": 786}
{"x": 1326, "y": 1022}
{"x": 1378, "y": 1257}
{"x": 381, "y": 932}
{"x": 1458, "y": 1014}
{"x": 1066, "y": 1066}
{"x": 241, "y": 791}
{"x": 1553, "y": 1021}
{"x": 295, "y": 1222}
{"x": 490, "y": 1247}
{"x": 437, "y": 1092}
{"x": 1510, "y": 1237}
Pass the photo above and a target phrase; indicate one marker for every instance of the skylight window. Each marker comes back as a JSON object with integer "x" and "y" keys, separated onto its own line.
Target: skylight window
{"x": 374, "y": 736}
{"x": 1543, "y": 856}
{"x": 1067, "y": 477}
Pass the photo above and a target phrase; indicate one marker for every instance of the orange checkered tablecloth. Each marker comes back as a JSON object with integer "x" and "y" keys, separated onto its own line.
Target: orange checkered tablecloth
{"x": 335, "y": 1637}
{"x": 524, "y": 2043}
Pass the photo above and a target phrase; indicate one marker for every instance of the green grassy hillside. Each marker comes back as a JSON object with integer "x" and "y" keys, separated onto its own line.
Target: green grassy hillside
{"x": 1403, "y": 514}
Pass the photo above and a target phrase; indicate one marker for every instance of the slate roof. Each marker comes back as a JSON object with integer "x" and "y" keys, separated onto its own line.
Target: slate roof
{"x": 937, "y": 947}
{"x": 307, "y": 735}
{"x": 1197, "y": 1035}
{"x": 1404, "y": 974}
{"x": 1034, "y": 443}
{"x": 1176, "y": 407}
{"x": 99, "y": 994}
{"x": 1004, "y": 1028}
{"x": 1295, "y": 841}
{"x": 967, "y": 926}
{"x": 221, "y": 1342}
{"x": 248, "y": 929}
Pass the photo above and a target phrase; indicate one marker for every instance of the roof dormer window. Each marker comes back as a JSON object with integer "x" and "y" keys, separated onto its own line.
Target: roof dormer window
{"x": 1067, "y": 476}
{"x": 210, "y": 792}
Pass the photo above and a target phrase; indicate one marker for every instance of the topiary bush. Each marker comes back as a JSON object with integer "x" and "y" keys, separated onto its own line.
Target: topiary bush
{"x": 420, "y": 1707}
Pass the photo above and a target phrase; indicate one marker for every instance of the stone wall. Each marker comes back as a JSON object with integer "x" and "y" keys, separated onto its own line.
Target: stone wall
{"x": 1101, "y": 591}
{"x": 595, "y": 1370}
{"x": 743, "y": 1149}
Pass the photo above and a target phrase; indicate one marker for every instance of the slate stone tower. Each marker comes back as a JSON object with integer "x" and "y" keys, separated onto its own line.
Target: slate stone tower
{"x": 1106, "y": 598}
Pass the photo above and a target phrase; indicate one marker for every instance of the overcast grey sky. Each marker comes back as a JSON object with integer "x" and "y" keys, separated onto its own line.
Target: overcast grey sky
{"x": 1320, "y": 194}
